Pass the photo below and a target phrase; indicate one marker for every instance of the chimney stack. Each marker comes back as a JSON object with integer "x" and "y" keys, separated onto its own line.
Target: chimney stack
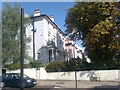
{"x": 52, "y": 18}
{"x": 37, "y": 12}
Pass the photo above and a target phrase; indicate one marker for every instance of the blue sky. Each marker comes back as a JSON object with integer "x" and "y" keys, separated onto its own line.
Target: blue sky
{"x": 57, "y": 9}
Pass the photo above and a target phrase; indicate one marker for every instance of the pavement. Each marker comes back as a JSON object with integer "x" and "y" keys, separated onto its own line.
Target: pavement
{"x": 71, "y": 85}
{"x": 80, "y": 84}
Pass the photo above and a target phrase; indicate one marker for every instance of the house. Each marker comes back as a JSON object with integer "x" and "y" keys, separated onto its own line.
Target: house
{"x": 72, "y": 49}
{"x": 49, "y": 39}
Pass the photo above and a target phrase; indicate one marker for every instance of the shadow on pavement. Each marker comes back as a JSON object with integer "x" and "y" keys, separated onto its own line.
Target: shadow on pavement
{"x": 103, "y": 87}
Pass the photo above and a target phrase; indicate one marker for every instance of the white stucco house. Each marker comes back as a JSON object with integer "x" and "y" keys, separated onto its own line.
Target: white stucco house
{"x": 49, "y": 39}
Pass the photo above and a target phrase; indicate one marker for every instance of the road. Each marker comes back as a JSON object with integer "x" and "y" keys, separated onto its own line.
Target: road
{"x": 70, "y": 85}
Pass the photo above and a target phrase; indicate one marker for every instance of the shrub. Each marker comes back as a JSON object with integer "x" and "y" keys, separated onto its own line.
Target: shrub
{"x": 80, "y": 65}
{"x": 35, "y": 64}
{"x": 56, "y": 66}
{"x": 15, "y": 66}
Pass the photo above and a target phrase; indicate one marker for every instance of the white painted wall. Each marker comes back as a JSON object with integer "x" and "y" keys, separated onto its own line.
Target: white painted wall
{"x": 61, "y": 76}
{"x": 105, "y": 75}
{"x": 39, "y": 35}
{"x": 29, "y": 33}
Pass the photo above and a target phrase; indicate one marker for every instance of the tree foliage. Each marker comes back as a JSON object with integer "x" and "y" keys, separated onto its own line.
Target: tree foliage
{"x": 56, "y": 66}
{"x": 97, "y": 24}
{"x": 15, "y": 66}
{"x": 11, "y": 22}
{"x": 79, "y": 65}
{"x": 35, "y": 64}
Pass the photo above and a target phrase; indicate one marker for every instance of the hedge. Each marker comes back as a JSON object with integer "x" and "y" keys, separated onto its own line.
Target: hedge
{"x": 79, "y": 65}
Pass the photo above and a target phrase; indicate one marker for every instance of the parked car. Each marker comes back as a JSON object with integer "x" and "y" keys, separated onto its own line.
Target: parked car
{"x": 13, "y": 80}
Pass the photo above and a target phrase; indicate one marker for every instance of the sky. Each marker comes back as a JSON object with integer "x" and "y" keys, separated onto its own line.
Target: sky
{"x": 57, "y": 9}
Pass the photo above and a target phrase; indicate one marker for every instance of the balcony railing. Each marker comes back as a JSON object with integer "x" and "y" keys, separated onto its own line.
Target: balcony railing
{"x": 51, "y": 44}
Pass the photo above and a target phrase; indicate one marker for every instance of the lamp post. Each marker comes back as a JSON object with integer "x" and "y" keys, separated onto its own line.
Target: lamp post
{"x": 75, "y": 77}
{"x": 75, "y": 69}
{"x": 22, "y": 50}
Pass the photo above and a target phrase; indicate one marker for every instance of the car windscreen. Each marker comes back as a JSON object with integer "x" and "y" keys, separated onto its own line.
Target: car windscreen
{"x": 24, "y": 76}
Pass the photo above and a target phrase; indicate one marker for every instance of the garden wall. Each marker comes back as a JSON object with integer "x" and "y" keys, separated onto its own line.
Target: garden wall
{"x": 103, "y": 75}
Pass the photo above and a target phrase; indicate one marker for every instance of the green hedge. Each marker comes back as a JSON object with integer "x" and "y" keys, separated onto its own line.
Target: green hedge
{"x": 56, "y": 66}
{"x": 32, "y": 64}
{"x": 79, "y": 65}
{"x": 35, "y": 64}
{"x": 15, "y": 66}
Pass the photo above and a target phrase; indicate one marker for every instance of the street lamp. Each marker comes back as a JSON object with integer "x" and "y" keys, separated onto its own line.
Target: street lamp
{"x": 75, "y": 76}
{"x": 75, "y": 68}
{"x": 22, "y": 50}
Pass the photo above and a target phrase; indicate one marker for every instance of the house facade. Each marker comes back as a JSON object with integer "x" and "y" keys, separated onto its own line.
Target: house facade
{"x": 72, "y": 49}
{"x": 49, "y": 39}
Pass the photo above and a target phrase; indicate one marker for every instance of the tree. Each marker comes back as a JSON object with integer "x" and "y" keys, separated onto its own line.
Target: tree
{"x": 11, "y": 22}
{"x": 95, "y": 23}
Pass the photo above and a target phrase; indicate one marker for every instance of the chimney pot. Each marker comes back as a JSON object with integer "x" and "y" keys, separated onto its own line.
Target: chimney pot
{"x": 37, "y": 12}
{"x": 52, "y": 18}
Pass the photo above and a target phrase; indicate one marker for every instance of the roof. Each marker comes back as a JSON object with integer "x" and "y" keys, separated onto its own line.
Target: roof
{"x": 44, "y": 15}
